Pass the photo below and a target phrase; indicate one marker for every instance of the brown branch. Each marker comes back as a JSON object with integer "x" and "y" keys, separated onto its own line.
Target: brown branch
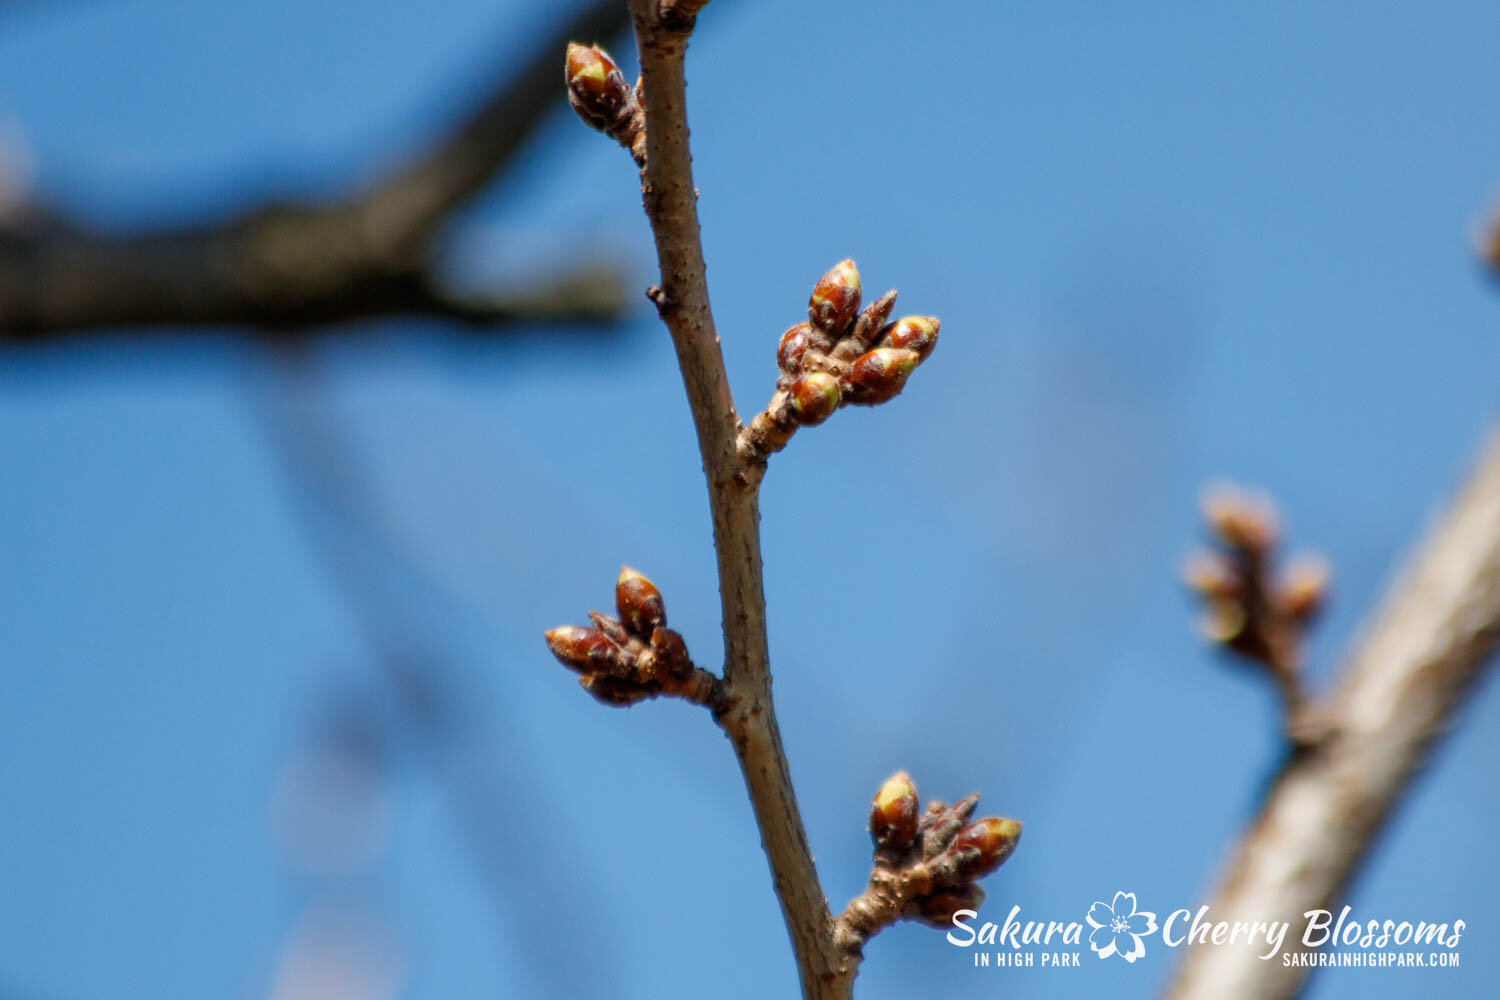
{"x": 1398, "y": 696}
{"x": 748, "y": 715}
{"x": 285, "y": 267}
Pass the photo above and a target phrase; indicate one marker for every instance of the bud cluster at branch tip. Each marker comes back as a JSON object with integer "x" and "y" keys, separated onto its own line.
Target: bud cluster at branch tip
{"x": 1249, "y": 607}
{"x": 926, "y": 863}
{"x": 634, "y": 656}
{"x": 597, "y": 90}
{"x": 842, "y": 355}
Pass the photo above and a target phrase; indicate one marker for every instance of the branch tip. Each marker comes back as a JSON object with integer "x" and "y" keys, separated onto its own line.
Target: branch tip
{"x": 926, "y": 867}
{"x": 1253, "y": 611}
{"x": 635, "y": 656}
{"x": 840, "y": 356}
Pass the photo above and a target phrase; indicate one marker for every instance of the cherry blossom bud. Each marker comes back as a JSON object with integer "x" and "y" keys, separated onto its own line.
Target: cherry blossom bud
{"x": 596, "y": 87}
{"x": 937, "y": 910}
{"x": 1211, "y": 575}
{"x": 1222, "y": 621}
{"x": 991, "y": 840}
{"x": 814, "y": 397}
{"x": 1304, "y": 587}
{"x": 1242, "y": 520}
{"x": 835, "y": 299}
{"x": 915, "y": 333}
{"x": 612, "y": 691}
{"x": 881, "y": 374}
{"x": 794, "y": 344}
{"x": 639, "y": 603}
{"x": 585, "y": 650}
{"x": 893, "y": 816}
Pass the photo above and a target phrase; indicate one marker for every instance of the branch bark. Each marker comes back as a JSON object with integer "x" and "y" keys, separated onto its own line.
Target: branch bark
{"x": 747, "y": 715}
{"x": 286, "y": 267}
{"x": 1428, "y": 644}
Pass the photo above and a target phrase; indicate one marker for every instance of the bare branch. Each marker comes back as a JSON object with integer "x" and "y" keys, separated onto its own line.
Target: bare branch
{"x": 1428, "y": 644}
{"x": 286, "y": 267}
{"x": 748, "y": 715}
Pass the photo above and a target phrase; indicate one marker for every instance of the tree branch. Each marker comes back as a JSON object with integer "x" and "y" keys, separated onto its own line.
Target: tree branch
{"x": 1398, "y": 696}
{"x": 747, "y": 715}
{"x": 411, "y": 624}
{"x": 285, "y": 267}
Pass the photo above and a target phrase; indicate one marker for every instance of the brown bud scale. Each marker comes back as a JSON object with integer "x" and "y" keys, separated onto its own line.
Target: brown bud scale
{"x": 814, "y": 397}
{"x": 913, "y": 333}
{"x": 639, "y": 603}
{"x": 596, "y": 87}
{"x": 835, "y": 299}
{"x": 585, "y": 650}
{"x": 881, "y": 374}
{"x": 893, "y": 815}
{"x": 793, "y": 345}
{"x": 984, "y": 845}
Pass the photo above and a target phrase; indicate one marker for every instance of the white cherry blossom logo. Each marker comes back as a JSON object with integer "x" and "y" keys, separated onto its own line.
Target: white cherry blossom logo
{"x": 1118, "y": 927}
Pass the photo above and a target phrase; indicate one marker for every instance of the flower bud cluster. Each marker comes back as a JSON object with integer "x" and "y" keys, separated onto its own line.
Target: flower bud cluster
{"x": 634, "y": 656}
{"x": 1247, "y": 608}
{"x": 842, "y": 355}
{"x": 1252, "y": 610}
{"x": 927, "y": 863}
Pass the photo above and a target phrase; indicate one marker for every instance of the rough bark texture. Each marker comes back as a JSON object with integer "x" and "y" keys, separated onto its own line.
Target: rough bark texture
{"x": 1427, "y": 645}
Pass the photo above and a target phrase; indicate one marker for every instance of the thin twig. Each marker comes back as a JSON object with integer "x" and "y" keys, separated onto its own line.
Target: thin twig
{"x": 1428, "y": 644}
{"x": 748, "y": 716}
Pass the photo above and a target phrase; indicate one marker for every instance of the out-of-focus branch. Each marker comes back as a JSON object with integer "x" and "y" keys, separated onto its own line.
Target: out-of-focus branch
{"x": 284, "y": 268}
{"x": 1428, "y": 644}
{"x": 1254, "y": 611}
{"x": 410, "y": 622}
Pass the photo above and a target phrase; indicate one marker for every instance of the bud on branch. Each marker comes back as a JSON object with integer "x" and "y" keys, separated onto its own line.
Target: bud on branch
{"x": 1251, "y": 610}
{"x": 925, "y": 866}
{"x": 598, "y": 92}
{"x": 635, "y": 656}
{"x": 840, "y": 356}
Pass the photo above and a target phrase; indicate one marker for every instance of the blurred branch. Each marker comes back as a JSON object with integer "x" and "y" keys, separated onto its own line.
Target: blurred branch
{"x": 1426, "y": 647}
{"x": 281, "y": 268}
{"x": 411, "y": 625}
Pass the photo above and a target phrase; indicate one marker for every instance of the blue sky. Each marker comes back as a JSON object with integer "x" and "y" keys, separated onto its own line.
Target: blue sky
{"x": 1168, "y": 243}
